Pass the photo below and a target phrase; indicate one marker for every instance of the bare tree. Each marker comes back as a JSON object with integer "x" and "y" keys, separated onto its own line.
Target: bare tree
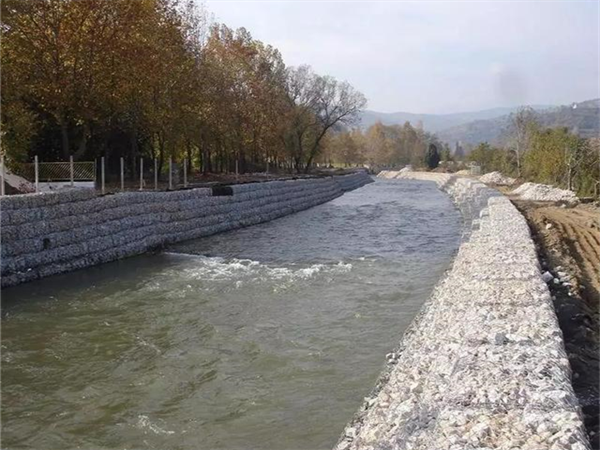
{"x": 318, "y": 104}
{"x": 522, "y": 124}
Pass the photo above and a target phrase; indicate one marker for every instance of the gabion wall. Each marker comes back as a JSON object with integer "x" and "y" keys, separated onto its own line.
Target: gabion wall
{"x": 483, "y": 366}
{"x": 46, "y": 234}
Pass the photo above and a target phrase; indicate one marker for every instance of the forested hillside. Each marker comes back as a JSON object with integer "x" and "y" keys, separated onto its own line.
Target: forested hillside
{"x": 435, "y": 122}
{"x": 582, "y": 118}
{"x": 532, "y": 149}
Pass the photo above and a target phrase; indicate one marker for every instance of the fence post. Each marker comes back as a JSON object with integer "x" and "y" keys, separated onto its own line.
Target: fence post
{"x": 122, "y": 173}
{"x": 72, "y": 169}
{"x": 102, "y": 173}
{"x": 141, "y": 174}
{"x": 155, "y": 174}
{"x": 170, "y": 172}
{"x": 3, "y": 175}
{"x": 237, "y": 172}
{"x": 37, "y": 174}
{"x": 185, "y": 173}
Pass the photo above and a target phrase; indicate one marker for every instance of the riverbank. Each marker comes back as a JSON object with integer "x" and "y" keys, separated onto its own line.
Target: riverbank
{"x": 266, "y": 337}
{"x": 484, "y": 364}
{"x": 47, "y": 234}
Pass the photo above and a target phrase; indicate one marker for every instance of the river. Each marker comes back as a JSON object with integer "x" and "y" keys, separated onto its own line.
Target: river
{"x": 267, "y": 337}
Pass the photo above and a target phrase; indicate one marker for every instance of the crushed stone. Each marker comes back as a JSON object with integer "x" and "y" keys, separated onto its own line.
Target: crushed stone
{"x": 483, "y": 366}
{"x": 497, "y": 179}
{"x": 545, "y": 193}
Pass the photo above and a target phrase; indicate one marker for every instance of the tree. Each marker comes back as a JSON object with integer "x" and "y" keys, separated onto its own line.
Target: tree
{"x": 432, "y": 157}
{"x": 446, "y": 153}
{"x": 153, "y": 78}
{"x": 316, "y": 105}
{"x": 574, "y": 157}
{"x": 64, "y": 55}
{"x": 341, "y": 147}
{"x": 459, "y": 151}
{"x": 522, "y": 124}
{"x": 561, "y": 158}
{"x": 589, "y": 177}
{"x": 491, "y": 158}
{"x": 378, "y": 146}
{"x": 391, "y": 145}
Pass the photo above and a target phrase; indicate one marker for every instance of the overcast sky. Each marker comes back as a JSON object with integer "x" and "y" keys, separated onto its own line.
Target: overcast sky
{"x": 436, "y": 57}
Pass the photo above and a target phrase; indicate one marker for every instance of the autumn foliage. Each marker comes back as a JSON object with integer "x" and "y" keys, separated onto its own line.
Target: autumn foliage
{"x": 157, "y": 79}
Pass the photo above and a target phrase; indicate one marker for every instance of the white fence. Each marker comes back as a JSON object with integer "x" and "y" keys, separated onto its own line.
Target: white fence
{"x": 52, "y": 175}
{"x": 49, "y": 176}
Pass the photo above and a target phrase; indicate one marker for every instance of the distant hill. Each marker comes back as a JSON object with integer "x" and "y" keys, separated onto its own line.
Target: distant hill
{"x": 436, "y": 122}
{"x": 582, "y": 118}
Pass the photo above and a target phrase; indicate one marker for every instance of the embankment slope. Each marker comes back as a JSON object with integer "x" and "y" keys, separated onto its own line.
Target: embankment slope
{"x": 46, "y": 234}
{"x": 483, "y": 366}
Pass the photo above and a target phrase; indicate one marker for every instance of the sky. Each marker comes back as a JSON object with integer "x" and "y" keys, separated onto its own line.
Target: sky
{"x": 436, "y": 56}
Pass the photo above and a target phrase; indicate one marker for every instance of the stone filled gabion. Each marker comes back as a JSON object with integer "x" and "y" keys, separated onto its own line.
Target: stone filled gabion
{"x": 483, "y": 366}
{"x": 46, "y": 234}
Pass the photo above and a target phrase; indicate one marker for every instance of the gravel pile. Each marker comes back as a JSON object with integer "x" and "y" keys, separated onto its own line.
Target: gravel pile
{"x": 483, "y": 366}
{"x": 386, "y": 174}
{"x": 18, "y": 183}
{"x": 390, "y": 174}
{"x": 545, "y": 193}
{"x": 497, "y": 178}
{"x": 439, "y": 178}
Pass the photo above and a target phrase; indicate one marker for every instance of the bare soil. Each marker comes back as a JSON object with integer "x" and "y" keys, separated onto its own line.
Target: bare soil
{"x": 568, "y": 242}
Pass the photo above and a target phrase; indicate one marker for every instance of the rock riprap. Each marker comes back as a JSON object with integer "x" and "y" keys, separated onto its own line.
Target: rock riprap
{"x": 46, "y": 234}
{"x": 483, "y": 366}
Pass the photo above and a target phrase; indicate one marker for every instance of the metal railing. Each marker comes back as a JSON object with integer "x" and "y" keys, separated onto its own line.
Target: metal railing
{"x": 146, "y": 173}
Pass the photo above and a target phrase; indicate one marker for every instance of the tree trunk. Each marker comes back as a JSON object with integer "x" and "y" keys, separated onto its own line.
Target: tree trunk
{"x": 64, "y": 133}
{"x": 308, "y": 164}
{"x": 133, "y": 149}
{"x": 208, "y": 162}
{"x": 189, "y": 158}
{"x": 161, "y": 156}
{"x": 518, "y": 152}
{"x": 83, "y": 142}
{"x": 298, "y": 164}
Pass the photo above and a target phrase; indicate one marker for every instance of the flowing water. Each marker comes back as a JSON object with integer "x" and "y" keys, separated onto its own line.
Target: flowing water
{"x": 267, "y": 337}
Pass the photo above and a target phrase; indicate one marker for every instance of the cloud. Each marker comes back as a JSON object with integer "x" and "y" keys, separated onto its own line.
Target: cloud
{"x": 436, "y": 56}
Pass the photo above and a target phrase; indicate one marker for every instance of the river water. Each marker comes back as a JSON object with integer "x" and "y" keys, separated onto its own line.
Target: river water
{"x": 267, "y": 337}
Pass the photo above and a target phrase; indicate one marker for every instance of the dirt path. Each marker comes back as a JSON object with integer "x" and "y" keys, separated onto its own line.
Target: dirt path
{"x": 568, "y": 241}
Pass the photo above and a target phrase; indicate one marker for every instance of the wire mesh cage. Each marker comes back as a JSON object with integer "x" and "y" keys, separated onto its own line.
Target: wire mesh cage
{"x": 58, "y": 171}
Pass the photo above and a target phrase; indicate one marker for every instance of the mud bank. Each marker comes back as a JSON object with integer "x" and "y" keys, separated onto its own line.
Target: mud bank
{"x": 47, "y": 234}
{"x": 483, "y": 366}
